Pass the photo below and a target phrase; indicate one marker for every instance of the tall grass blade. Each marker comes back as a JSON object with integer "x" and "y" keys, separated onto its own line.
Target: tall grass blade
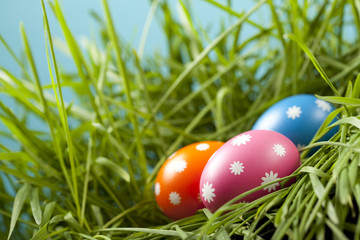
{"x": 313, "y": 60}
{"x": 146, "y": 28}
{"x": 63, "y": 114}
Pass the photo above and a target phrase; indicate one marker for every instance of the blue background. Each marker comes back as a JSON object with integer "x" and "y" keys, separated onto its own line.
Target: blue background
{"x": 129, "y": 18}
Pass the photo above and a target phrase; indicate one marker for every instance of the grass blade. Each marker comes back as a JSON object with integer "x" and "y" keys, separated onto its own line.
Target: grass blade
{"x": 313, "y": 60}
{"x": 42, "y": 233}
{"x": 342, "y": 100}
{"x": 146, "y": 29}
{"x": 356, "y": 89}
{"x": 63, "y": 114}
{"x": 349, "y": 120}
{"x": 35, "y": 206}
{"x": 48, "y": 212}
{"x": 19, "y": 201}
{"x": 113, "y": 167}
{"x": 72, "y": 222}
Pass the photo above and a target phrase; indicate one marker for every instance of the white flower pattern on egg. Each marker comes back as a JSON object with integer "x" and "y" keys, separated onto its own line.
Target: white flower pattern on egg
{"x": 269, "y": 177}
{"x": 325, "y": 106}
{"x": 241, "y": 140}
{"x": 279, "y": 150}
{"x": 293, "y": 112}
{"x": 237, "y": 168}
{"x": 208, "y": 192}
{"x": 180, "y": 165}
{"x": 175, "y": 198}
{"x": 202, "y": 147}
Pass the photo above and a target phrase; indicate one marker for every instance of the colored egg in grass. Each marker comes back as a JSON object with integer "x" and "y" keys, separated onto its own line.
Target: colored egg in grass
{"x": 297, "y": 117}
{"x": 177, "y": 183}
{"x": 246, "y": 161}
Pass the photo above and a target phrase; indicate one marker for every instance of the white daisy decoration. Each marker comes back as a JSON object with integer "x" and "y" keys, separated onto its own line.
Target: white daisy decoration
{"x": 208, "y": 192}
{"x": 237, "y": 168}
{"x": 279, "y": 150}
{"x": 300, "y": 146}
{"x": 157, "y": 189}
{"x": 241, "y": 140}
{"x": 293, "y": 112}
{"x": 202, "y": 147}
{"x": 175, "y": 198}
{"x": 180, "y": 165}
{"x": 325, "y": 106}
{"x": 269, "y": 177}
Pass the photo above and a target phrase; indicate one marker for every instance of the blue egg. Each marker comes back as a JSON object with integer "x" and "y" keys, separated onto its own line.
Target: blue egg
{"x": 297, "y": 117}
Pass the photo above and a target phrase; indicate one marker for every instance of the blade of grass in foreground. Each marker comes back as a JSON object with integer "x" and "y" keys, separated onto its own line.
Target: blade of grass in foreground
{"x": 313, "y": 60}
{"x": 341, "y": 100}
{"x": 63, "y": 115}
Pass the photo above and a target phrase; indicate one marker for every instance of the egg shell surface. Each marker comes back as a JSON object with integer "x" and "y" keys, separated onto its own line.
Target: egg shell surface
{"x": 246, "y": 161}
{"x": 177, "y": 182}
{"x": 297, "y": 117}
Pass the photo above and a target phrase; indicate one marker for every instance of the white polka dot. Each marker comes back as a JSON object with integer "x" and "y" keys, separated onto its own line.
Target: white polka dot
{"x": 157, "y": 189}
{"x": 175, "y": 198}
{"x": 202, "y": 147}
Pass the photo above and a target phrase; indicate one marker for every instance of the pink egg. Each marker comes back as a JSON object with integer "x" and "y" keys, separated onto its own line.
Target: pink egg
{"x": 246, "y": 161}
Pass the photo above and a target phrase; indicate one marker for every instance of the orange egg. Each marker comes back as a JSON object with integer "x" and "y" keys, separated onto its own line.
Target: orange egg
{"x": 177, "y": 183}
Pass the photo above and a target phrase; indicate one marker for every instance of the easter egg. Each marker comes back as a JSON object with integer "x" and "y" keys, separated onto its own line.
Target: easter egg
{"x": 246, "y": 161}
{"x": 177, "y": 182}
{"x": 297, "y": 117}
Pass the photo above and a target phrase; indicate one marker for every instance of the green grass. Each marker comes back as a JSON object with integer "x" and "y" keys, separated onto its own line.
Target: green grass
{"x": 90, "y": 174}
